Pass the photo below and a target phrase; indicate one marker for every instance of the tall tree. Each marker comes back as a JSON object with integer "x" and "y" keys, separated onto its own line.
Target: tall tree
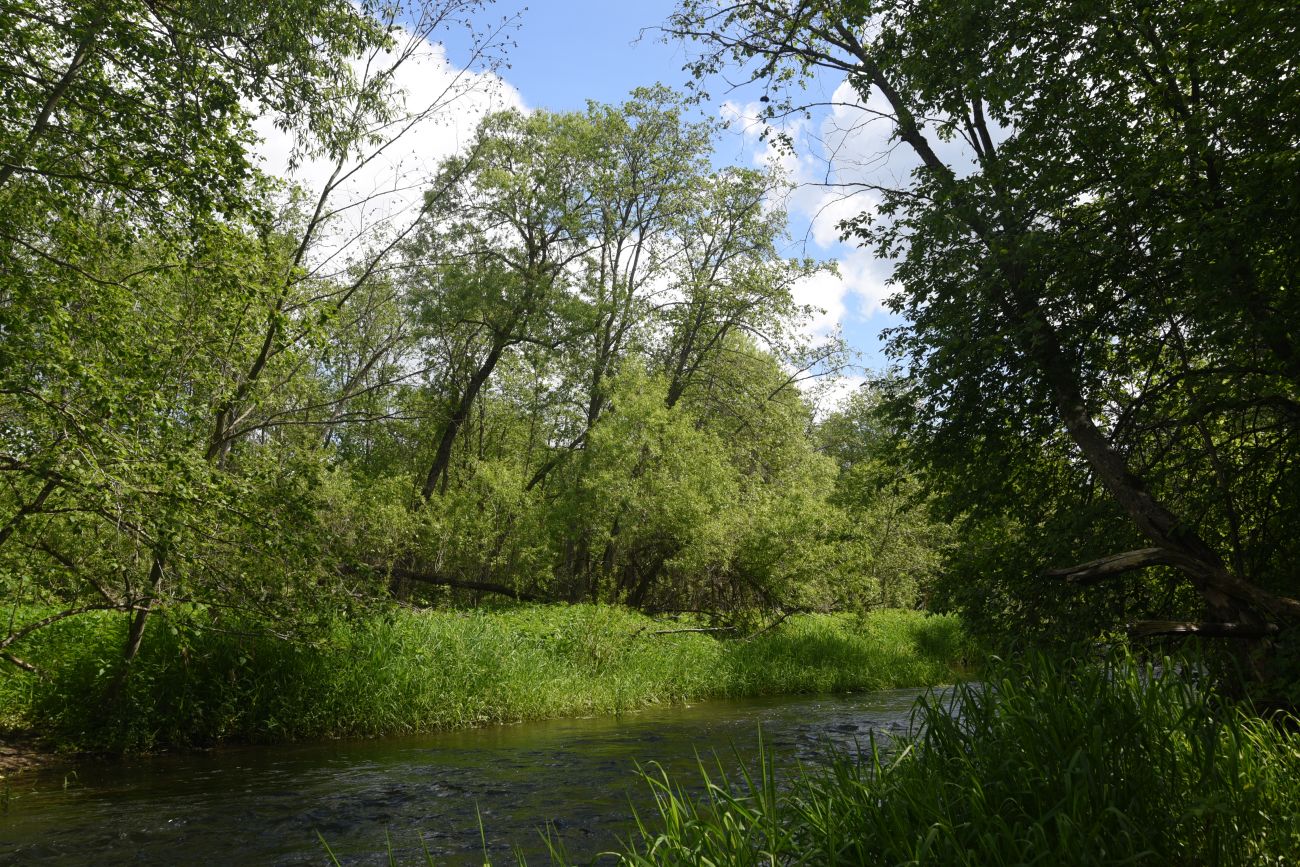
{"x": 644, "y": 160}
{"x": 491, "y": 262}
{"x": 572, "y": 246}
{"x": 1108, "y": 258}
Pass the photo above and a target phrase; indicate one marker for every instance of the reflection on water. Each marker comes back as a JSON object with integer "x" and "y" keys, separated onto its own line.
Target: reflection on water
{"x": 265, "y": 805}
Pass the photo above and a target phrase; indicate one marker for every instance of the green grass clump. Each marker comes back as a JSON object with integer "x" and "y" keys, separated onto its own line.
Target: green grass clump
{"x": 1099, "y": 764}
{"x": 406, "y": 671}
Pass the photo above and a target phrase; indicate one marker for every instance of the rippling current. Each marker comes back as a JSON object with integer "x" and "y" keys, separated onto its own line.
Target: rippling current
{"x": 266, "y": 805}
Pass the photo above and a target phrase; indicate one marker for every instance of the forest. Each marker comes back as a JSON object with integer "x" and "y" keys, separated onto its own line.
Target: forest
{"x": 246, "y": 418}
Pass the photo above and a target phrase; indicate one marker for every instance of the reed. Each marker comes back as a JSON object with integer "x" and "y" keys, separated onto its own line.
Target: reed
{"x": 1113, "y": 763}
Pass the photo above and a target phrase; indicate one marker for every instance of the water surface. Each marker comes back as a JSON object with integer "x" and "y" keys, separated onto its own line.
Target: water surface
{"x": 265, "y": 805}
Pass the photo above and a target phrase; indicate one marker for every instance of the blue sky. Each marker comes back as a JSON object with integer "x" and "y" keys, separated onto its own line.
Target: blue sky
{"x": 570, "y": 51}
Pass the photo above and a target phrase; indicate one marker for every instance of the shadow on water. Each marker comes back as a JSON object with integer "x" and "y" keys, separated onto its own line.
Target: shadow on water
{"x": 265, "y": 805}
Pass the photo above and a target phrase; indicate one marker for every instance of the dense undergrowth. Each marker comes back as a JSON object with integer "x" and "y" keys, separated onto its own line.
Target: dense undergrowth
{"x": 410, "y": 670}
{"x": 1115, "y": 763}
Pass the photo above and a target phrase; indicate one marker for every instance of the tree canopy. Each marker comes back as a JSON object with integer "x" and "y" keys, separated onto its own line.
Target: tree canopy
{"x": 1096, "y": 263}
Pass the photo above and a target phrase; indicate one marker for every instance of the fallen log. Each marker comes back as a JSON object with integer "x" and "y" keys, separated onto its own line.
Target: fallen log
{"x": 446, "y": 581}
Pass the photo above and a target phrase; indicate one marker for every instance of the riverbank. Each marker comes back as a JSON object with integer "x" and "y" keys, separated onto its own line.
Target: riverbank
{"x": 21, "y": 751}
{"x": 408, "y": 671}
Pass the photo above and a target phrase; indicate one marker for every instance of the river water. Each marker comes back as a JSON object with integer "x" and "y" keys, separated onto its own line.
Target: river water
{"x": 266, "y": 805}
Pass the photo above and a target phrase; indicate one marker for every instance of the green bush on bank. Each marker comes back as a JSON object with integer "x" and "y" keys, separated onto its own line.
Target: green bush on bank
{"x": 1098, "y": 764}
{"x": 404, "y": 671}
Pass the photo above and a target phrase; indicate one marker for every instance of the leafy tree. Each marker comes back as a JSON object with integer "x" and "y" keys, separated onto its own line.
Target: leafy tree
{"x": 491, "y": 260}
{"x": 561, "y": 249}
{"x": 162, "y": 315}
{"x": 645, "y": 163}
{"x": 1099, "y": 287}
{"x": 138, "y": 105}
{"x": 892, "y": 543}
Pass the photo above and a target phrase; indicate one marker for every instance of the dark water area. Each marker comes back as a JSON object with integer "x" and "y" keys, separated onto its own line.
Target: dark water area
{"x": 265, "y": 805}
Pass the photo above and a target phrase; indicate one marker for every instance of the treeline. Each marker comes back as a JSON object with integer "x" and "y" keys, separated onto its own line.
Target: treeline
{"x": 572, "y": 372}
{"x": 606, "y": 406}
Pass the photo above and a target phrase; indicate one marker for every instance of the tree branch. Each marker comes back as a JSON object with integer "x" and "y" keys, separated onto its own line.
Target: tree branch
{"x": 1151, "y": 628}
{"x": 22, "y": 663}
{"x": 1116, "y": 564}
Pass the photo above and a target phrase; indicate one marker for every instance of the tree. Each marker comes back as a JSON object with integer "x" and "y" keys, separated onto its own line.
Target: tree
{"x": 645, "y": 162}
{"x": 490, "y": 264}
{"x": 162, "y": 312}
{"x": 1064, "y": 278}
{"x": 893, "y": 544}
{"x": 138, "y": 105}
{"x": 576, "y": 271}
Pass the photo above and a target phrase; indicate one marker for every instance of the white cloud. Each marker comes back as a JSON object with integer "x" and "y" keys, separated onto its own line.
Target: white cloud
{"x": 826, "y": 292}
{"x": 855, "y": 294}
{"x": 440, "y": 106}
{"x": 858, "y": 149}
{"x": 831, "y": 207}
{"x": 834, "y": 161}
{"x": 840, "y": 160}
{"x": 834, "y": 393}
{"x": 865, "y": 278}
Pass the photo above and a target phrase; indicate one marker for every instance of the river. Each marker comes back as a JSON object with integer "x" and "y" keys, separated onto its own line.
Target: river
{"x": 265, "y": 805}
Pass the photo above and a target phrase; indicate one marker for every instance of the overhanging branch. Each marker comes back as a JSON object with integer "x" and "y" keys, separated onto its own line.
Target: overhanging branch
{"x": 1116, "y": 564}
{"x": 1152, "y": 628}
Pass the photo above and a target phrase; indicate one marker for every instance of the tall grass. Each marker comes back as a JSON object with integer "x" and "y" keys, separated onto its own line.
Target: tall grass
{"x": 1104, "y": 764}
{"x": 409, "y": 671}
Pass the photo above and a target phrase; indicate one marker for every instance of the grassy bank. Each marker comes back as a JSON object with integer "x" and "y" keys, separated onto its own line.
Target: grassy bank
{"x": 410, "y": 671}
{"x": 1104, "y": 764}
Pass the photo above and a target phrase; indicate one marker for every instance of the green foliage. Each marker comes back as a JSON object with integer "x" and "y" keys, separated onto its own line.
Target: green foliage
{"x": 1078, "y": 764}
{"x": 607, "y": 412}
{"x": 140, "y": 109}
{"x": 200, "y": 680}
{"x": 892, "y": 546}
{"x": 163, "y": 382}
{"x": 608, "y": 415}
{"x": 1096, "y": 273}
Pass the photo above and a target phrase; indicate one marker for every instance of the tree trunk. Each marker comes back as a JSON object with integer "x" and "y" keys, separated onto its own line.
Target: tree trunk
{"x": 442, "y": 457}
{"x": 1227, "y": 597}
{"x": 135, "y": 635}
